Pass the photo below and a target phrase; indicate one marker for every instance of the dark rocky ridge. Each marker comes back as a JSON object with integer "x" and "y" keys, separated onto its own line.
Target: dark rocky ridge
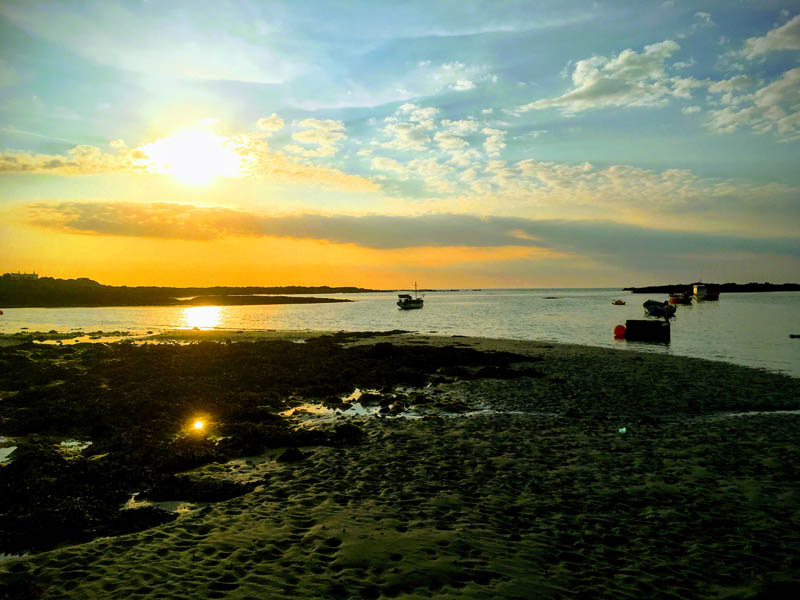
{"x": 50, "y": 292}
{"x": 716, "y": 287}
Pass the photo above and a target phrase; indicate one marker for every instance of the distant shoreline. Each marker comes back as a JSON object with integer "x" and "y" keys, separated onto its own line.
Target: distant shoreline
{"x": 198, "y": 301}
{"x": 716, "y": 287}
{"x": 47, "y": 292}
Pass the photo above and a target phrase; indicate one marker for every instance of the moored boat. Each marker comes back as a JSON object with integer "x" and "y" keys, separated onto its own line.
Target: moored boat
{"x": 407, "y": 302}
{"x": 699, "y": 292}
{"x": 654, "y": 308}
{"x": 618, "y": 302}
{"x": 680, "y": 298}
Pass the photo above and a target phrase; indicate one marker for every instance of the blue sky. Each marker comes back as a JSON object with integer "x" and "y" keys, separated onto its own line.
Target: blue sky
{"x": 560, "y": 137}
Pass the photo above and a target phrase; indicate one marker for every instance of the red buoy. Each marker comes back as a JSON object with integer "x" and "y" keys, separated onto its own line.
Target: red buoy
{"x": 619, "y": 331}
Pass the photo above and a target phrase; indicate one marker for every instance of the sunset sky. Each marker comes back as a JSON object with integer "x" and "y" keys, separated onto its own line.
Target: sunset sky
{"x": 456, "y": 144}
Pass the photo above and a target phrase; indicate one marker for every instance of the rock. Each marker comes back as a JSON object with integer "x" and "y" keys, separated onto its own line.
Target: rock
{"x": 347, "y": 433}
{"x": 291, "y": 455}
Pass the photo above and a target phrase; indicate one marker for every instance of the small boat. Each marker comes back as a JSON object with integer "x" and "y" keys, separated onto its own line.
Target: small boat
{"x": 699, "y": 292}
{"x": 406, "y": 302}
{"x": 654, "y": 308}
{"x": 703, "y": 294}
{"x": 680, "y": 298}
{"x": 618, "y": 302}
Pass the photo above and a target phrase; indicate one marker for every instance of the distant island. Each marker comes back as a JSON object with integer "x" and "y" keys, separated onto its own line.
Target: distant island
{"x": 21, "y": 290}
{"x": 675, "y": 288}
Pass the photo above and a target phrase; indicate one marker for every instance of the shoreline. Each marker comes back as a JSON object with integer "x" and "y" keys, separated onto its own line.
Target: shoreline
{"x": 578, "y": 470}
{"x": 190, "y": 335}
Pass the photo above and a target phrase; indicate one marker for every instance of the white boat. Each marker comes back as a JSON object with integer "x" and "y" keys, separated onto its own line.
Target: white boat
{"x": 406, "y": 302}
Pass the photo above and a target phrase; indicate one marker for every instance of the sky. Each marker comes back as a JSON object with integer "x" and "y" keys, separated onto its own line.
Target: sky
{"x": 456, "y": 144}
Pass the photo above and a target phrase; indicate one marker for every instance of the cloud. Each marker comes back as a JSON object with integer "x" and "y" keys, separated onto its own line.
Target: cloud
{"x": 322, "y": 133}
{"x": 462, "y": 85}
{"x": 628, "y": 79}
{"x": 185, "y": 43}
{"x": 422, "y": 116}
{"x": 257, "y": 162}
{"x": 270, "y": 124}
{"x": 405, "y": 136}
{"x": 462, "y": 127}
{"x": 774, "y": 108}
{"x": 449, "y": 142}
{"x": 688, "y": 110}
{"x": 607, "y": 241}
{"x": 729, "y": 85}
{"x": 463, "y": 158}
{"x": 80, "y": 160}
{"x": 785, "y": 37}
{"x": 494, "y": 141}
{"x": 382, "y": 163}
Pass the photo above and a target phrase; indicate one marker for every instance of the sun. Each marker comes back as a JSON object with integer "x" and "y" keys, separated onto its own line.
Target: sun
{"x": 195, "y": 156}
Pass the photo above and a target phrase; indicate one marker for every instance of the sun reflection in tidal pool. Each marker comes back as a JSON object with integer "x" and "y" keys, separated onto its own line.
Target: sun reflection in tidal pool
{"x": 202, "y": 317}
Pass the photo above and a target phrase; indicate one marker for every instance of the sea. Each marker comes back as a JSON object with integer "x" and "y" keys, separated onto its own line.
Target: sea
{"x": 751, "y": 329}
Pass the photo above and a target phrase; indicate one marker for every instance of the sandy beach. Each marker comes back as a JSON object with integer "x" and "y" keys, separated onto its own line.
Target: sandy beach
{"x": 490, "y": 469}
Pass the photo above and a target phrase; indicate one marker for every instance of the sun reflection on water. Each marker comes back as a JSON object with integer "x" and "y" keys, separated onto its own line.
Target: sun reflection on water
{"x": 202, "y": 317}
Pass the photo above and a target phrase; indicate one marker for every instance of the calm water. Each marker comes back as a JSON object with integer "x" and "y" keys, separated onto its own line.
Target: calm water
{"x": 747, "y": 329}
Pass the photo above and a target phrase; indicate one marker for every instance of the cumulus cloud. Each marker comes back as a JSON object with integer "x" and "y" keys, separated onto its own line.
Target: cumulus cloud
{"x": 429, "y": 168}
{"x": 322, "y": 133}
{"x": 729, "y": 85}
{"x": 785, "y": 37}
{"x": 684, "y": 64}
{"x": 270, "y": 124}
{"x": 462, "y": 85}
{"x": 468, "y": 175}
{"x": 495, "y": 141}
{"x": 462, "y": 127}
{"x": 463, "y": 158}
{"x": 774, "y": 108}
{"x": 383, "y": 163}
{"x": 405, "y": 136}
{"x": 628, "y": 79}
{"x": 449, "y": 142}
{"x": 627, "y": 190}
{"x": 257, "y": 162}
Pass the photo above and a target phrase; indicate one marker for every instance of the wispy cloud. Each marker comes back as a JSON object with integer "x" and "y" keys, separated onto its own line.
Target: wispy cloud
{"x": 182, "y": 42}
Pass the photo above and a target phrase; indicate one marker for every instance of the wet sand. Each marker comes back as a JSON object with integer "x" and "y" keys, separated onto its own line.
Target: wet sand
{"x": 609, "y": 474}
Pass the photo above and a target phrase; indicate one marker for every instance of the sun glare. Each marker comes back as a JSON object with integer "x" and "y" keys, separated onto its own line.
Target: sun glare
{"x": 195, "y": 156}
{"x": 198, "y": 425}
{"x": 202, "y": 317}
